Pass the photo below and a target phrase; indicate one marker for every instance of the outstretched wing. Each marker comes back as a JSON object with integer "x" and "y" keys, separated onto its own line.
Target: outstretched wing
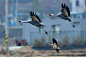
{"x": 55, "y": 43}
{"x": 65, "y": 10}
{"x": 35, "y": 17}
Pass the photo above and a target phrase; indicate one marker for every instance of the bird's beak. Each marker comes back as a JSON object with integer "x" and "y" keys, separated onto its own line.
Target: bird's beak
{"x": 52, "y": 44}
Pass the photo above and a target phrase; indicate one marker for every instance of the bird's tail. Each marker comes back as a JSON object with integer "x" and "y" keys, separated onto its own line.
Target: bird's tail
{"x": 57, "y": 50}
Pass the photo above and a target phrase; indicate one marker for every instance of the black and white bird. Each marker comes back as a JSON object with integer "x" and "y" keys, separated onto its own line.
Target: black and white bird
{"x": 35, "y": 21}
{"x": 55, "y": 45}
{"x": 65, "y": 13}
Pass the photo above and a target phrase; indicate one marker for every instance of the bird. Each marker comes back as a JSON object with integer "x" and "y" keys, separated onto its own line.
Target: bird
{"x": 35, "y": 21}
{"x": 55, "y": 45}
{"x": 65, "y": 13}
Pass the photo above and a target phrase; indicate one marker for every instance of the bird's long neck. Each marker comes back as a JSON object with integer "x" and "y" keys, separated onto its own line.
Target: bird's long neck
{"x": 25, "y": 21}
{"x": 58, "y": 15}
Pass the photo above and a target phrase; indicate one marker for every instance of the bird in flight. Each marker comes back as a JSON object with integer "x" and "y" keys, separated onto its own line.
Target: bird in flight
{"x": 55, "y": 45}
{"x": 65, "y": 13}
{"x": 35, "y": 21}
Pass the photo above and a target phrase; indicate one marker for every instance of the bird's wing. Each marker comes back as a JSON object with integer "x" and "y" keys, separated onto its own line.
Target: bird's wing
{"x": 55, "y": 43}
{"x": 35, "y": 17}
{"x": 65, "y": 10}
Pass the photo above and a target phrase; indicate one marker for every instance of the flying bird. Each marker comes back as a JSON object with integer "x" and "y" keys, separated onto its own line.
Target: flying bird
{"x": 35, "y": 21}
{"x": 55, "y": 45}
{"x": 65, "y": 13}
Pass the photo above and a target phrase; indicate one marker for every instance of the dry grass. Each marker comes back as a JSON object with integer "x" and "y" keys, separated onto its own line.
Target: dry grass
{"x": 26, "y": 51}
{"x": 77, "y": 41}
{"x": 39, "y": 43}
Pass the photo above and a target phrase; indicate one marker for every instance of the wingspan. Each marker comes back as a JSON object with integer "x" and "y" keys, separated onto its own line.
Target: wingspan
{"x": 65, "y": 10}
{"x": 35, "y": 17}
{"x": 55, "y": 43}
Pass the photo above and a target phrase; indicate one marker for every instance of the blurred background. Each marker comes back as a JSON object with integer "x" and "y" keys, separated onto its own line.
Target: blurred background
{"x": 21, "y": 34}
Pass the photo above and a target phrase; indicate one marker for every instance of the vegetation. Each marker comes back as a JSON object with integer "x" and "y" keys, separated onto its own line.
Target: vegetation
{"x": 39, "y": 43}
{"x": 65, "y": 40}
{"x": 77, "y": 41}
{"x": 43, "y": 40}
{"x": 50, "y": 39}
{"x": 60, "y": 44}
{"x": 85, "y": 42}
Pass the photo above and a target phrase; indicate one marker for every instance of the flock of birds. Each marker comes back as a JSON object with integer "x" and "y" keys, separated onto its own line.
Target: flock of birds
{"x": 65, "y": 14}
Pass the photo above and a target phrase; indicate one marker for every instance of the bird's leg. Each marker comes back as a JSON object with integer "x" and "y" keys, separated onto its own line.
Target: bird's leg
{"x": 44, "y": 30}
{"x": 72, "y": 24}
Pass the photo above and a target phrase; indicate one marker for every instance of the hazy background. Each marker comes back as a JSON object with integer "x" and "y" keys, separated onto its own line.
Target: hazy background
{"x": 19, "y": 10}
